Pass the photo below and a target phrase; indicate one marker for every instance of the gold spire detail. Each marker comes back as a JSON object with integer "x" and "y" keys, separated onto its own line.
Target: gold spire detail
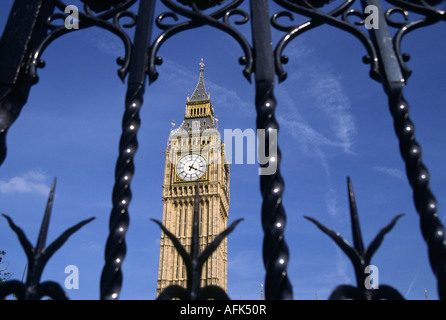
{"x": 198, "y": 104}
{"x": 201, "y": 64}
{"x": 261, "y": 292}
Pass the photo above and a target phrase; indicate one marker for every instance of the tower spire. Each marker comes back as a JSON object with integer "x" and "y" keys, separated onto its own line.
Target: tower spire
{"x": 199, "y": 104}
{"x": 200, "y": 94}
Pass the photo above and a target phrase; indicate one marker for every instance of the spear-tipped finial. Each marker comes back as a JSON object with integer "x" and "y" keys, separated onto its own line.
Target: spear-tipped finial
{"x": 37, "y": 257}
{"x": 41, "y": 240}
{"x": 359, "y": 256}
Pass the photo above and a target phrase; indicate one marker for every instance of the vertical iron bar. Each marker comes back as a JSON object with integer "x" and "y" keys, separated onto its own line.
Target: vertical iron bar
{"x": 275, "y": 249}
{"x": 41, "y": 240}
{"x": 417, "y": 173}
{"x": 194, "y": 283}
{"x": 390, "y": 68}
{"x": 35, "y": 264}
{"x": 111, "y": 279}
{"x": 358, "y": 244}
{"x": 24, "y": 30}
{"x": 356, "y": 229}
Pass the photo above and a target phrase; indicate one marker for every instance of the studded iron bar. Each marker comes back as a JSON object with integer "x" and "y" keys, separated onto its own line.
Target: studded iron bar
{"x": 432, "y": 229}
{"x": 275, "y": 249}
{"x": 393, "y": 77}
{"x": 115, "y": 250}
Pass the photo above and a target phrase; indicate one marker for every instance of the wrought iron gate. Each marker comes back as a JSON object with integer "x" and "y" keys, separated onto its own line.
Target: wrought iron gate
{"x": 31, "y": 28}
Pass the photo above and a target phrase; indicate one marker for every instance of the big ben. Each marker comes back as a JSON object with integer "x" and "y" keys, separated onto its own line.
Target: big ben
{"x": 195, "y": 155}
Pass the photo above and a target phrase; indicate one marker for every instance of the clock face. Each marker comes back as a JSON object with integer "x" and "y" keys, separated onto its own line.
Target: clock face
{"x": 191, "y": 167}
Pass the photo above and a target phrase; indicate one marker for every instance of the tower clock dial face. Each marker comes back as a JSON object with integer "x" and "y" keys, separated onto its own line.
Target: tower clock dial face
{"x": 191, "y": 167}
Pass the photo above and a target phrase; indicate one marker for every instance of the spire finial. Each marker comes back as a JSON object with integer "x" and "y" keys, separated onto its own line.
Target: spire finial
{"x": 201, "y": 64}
{"x": 261, "y": 292}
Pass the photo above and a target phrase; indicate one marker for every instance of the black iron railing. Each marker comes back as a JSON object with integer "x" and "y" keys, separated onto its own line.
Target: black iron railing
{"x": 31, "y": 29}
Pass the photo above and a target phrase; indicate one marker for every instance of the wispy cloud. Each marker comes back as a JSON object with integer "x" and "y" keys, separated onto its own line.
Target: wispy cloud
{"x": 411, "y": 284}
{"x": 35, "y": 182}
{"x": 334, "y": 126}
{"x": 331, "y": 201}
{"x": 393, "y": 172}
{"x": 106, "y": 42}
{"x": 334, "y": 108}
{"x": 335, "y": 105}
{"x": 316, "y": 113}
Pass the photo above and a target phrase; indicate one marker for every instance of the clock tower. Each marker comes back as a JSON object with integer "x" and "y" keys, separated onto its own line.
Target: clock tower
{"x": 195, "y": 154}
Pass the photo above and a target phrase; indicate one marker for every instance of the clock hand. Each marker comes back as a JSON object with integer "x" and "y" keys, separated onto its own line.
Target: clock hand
{"x": 192, "y": 165}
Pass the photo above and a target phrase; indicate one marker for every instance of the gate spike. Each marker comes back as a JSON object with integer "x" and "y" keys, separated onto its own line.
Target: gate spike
{"x": 41, "y": 240}
{"x": 356, "y": 229}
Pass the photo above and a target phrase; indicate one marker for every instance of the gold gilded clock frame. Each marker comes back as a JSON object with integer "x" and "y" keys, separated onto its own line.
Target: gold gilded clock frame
{"x": 204, "y": 177}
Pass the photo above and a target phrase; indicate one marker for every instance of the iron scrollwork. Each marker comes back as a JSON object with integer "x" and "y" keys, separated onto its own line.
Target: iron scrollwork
{"x": 102, "y": 5}
{"x": 337, "y": 17}
{"x": 387, "y": 65}
{"x": 88, "y": 19}
{"x": 197, "y": 18}
{"x": 14, "y": 94}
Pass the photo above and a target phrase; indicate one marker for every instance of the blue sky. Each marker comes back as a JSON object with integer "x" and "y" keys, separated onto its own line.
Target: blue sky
{"x": 334, "y": 122}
